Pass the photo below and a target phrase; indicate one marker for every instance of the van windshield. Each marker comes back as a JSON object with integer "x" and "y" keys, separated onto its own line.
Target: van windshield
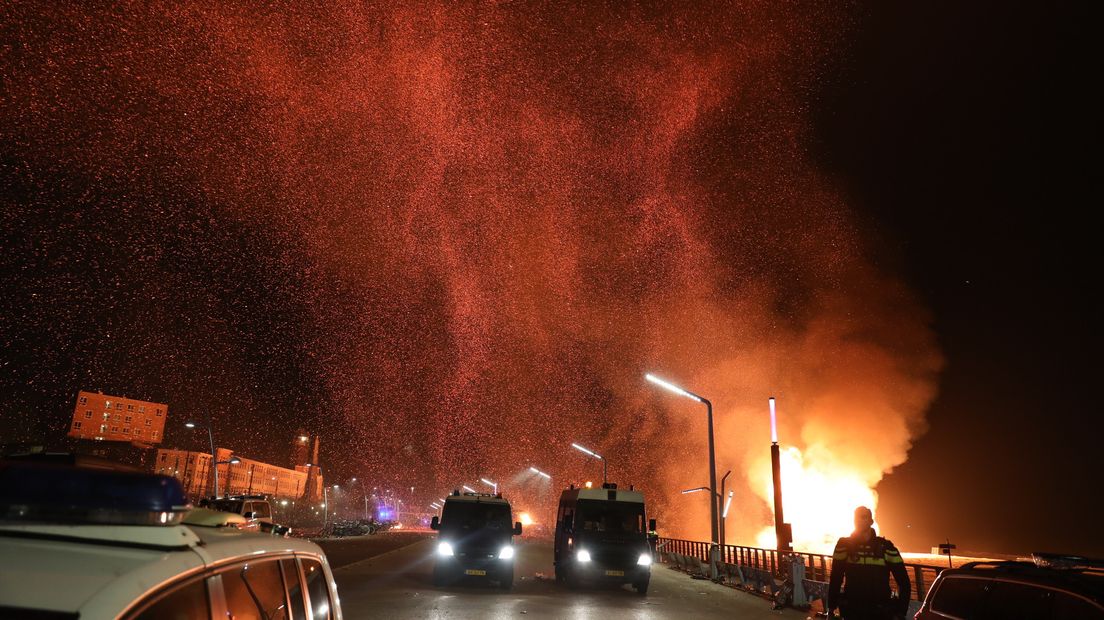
{"x": 475, "y": 516}
{"x": 620, "y": 517}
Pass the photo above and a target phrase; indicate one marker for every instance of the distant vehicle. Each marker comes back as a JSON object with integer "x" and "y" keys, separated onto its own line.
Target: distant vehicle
{"x": 475, "y": 539}
{"x": 356, "y": 527}
{"x": 255, "y": 508}
{"x": 93, "y": 543}
{"x": 1052, "y": 586}
{"x": 601, "y": 538}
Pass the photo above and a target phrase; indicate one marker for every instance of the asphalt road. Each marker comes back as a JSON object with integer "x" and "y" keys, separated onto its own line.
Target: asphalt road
{"x": 397, "y": 584}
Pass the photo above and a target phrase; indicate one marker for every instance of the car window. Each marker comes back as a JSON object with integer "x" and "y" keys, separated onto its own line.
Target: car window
{"x": 294, "y": 589}
{"x": 318, "y": 590}
{"x": 186, "y": 602}
{"x": 255, "y": 591}
{"x": 260, "y": 510}
{"x": 1070, "y": 606}
{"x": 960, "y": 597}
{"x": 1009, "y": 600}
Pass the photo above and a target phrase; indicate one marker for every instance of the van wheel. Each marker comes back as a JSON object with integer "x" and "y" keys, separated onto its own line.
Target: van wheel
{"x": 641, "y": 587}
{"x": 440, "y": 579}
{"x": 506, "y": 582}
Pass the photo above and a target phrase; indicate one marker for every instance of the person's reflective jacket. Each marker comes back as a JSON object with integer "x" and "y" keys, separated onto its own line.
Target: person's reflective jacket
{"x": 863, "y": 569}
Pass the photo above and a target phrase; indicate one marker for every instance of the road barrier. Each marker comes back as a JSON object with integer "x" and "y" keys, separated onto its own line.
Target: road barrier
{"x": 794, "y": 578}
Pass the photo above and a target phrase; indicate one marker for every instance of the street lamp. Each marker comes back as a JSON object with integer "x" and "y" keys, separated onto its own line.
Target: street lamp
{"x": 468, "y": 489}
{"x": 211, "y": 439}
{"x": 593, "y": 454}
{"x": 540, "y": 473}
{"x": 233, "y": 461}
{"x": 493, "y": 485}
{"x": 714, "y": 521}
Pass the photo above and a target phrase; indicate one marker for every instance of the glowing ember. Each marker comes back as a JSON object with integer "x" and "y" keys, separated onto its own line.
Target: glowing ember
{"x": 417, "y": 230}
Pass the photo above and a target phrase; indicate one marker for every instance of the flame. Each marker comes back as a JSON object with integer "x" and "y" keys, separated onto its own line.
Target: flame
{"x": 525, "y": 519}
{"x": 819, "y": 497}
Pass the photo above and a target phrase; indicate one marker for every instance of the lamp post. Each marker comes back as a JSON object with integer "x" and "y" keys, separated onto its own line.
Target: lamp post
{"x": 232, "y": 461}
{"x": 493, "y": 485}
{"x": 721, "y": 526}
{"x": 593, "y": 454}
{"x": 712, "y": 463}
{"x": 211, "y": 439}
{"x": 540, "y": 473}
{"x": 782, "y": 532}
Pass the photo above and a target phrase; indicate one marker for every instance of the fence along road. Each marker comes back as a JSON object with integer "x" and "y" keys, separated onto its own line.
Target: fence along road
{"x": 770, "y": 572}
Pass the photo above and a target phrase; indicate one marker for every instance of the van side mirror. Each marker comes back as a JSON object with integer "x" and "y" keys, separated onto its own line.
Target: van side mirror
{"x": 651, "y": 525}
{"x": 435, "y": 523}
{"x": 517, "y": 528}
{"x": 250, "y": 515}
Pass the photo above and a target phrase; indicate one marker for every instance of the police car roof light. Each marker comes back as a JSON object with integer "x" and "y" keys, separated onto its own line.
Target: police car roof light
{"x": 58, "y": 494}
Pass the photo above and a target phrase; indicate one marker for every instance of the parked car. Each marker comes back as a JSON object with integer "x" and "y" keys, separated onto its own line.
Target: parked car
{"x": 1051, "y": 586}
{"x": 255, "y": 508}
{"x": 91, "y": 543}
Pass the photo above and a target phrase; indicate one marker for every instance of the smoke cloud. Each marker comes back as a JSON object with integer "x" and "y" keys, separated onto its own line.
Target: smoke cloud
{"x": 456, "y": 237}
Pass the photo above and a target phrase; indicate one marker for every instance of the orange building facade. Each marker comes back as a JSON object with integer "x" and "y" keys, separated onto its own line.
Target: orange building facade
{"x": 249, "y": 477}
{"x": 103, "y": 417}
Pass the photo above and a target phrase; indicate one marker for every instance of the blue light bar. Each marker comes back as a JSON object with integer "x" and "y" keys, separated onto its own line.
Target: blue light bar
{"x": 52, "y": 494}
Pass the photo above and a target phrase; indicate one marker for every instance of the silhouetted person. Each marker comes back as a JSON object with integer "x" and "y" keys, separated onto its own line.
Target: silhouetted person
{"x": 862, "y": 564}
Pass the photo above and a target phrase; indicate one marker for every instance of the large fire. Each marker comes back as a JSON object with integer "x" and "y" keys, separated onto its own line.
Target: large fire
{"x": 819, "y": 496}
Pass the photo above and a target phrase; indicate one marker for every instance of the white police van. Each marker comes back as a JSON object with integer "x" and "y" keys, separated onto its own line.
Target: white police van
{"x": 86, "y": 543}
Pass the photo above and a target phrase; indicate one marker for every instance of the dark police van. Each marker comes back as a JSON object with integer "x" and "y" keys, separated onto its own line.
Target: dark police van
{"x": 601, "y": 537}
{"x": 475, "y": 539}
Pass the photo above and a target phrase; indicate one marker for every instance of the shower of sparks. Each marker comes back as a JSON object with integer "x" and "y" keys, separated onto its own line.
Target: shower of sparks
{"x": 446, "y": 239}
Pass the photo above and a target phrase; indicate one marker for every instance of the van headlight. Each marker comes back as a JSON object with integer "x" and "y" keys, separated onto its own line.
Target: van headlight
{"x": 645, "y": 559}
{"x": 506, "y": 553}
{"x": 583, "y": 555}
{"x": 443, "y": 548}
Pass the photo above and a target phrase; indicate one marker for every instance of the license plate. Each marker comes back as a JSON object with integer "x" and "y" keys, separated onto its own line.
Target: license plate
{"x": 476, "y": 571}
{"x": 615, "y": 573}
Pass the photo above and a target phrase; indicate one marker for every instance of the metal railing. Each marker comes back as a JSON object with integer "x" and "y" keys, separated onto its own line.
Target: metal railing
{"x": 817, "y": 567}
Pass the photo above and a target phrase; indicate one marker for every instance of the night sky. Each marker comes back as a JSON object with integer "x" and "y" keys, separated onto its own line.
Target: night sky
{"x": 452, "y": 239}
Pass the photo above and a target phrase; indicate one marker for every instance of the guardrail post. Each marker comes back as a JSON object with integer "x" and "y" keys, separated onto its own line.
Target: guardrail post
{"x": 797, "y": 575}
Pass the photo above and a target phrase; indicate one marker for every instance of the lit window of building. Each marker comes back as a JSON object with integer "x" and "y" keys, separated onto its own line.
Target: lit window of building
{"x": 107, "y": 404}
{"x": 103, "y": 428}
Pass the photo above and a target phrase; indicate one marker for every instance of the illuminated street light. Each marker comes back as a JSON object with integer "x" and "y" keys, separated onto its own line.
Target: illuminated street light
{"x": 593, "y": 454}
{"x": 468, "y": 489}
{"x": 728, "y": 502}
{"x": 211, "y": 439}
{"x": 493, "y": 485}
{"x": 540, "y": 473}
{"x": 713, "y": 505}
